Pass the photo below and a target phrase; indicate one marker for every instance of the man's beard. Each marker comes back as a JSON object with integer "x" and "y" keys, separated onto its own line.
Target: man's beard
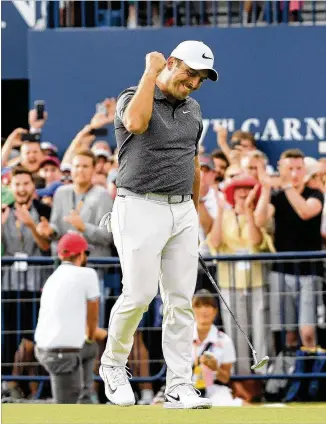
{"x": 24, "y": 202}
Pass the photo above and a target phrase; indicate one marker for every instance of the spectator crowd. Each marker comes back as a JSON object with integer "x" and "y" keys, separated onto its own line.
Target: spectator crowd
{"x": 245, "y": 207}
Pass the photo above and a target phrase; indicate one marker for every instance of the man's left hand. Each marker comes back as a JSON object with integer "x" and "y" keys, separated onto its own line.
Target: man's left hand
{"x": 75, "y": 220}
{"x": 23, "y": 215}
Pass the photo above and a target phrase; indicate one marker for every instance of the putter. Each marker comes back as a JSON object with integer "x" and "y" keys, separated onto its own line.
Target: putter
{"x": 265, "y": 359}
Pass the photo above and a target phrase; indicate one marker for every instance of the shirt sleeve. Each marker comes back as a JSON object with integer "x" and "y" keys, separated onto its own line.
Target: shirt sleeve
{"x": 198, "y": 137}
{"x": 229, "y": 356}
{"x": 317, "y": 195}
{"x": 94, "y": 234}
{"x": 92, "y": 285}
{"x": 323, "y": 219}
{"x": 123, "y": 102}
{"x": 56, "y": 213}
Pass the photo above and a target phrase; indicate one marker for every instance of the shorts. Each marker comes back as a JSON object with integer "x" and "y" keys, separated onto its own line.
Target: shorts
{"x": 293, "y": 300}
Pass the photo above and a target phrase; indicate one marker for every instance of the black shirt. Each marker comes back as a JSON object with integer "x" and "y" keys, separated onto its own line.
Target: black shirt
{"x": 293, "y": 234}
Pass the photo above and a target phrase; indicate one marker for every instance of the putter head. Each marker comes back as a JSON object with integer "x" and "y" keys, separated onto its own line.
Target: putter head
{"x": 260, "y": 363}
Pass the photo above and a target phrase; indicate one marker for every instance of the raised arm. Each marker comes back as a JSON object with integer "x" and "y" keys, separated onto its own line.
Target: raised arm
{"x": 264, "y": 209}
{"x": 254, "y": 233}
{"x": 14, "y": 140}
{"x": 305, "y": 208}
{"x": 137, "y": 114}
{"x": 216, "y": 234}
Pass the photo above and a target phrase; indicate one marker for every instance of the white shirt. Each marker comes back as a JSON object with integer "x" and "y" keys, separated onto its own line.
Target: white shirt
{"x": 210, "y": 203}
{"x": 323, "y": 218}
{"x": 63, "y": 312}
{"x": 222, "y": 346}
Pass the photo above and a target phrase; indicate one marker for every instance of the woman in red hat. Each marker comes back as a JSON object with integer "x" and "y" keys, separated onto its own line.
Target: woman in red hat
{"x": 235, "y": 231}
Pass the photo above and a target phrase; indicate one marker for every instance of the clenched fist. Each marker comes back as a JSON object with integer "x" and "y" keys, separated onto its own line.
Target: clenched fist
{"x": 155, "y": 62}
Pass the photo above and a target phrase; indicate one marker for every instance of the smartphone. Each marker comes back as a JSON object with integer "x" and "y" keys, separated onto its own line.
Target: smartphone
{"x": 39, "y": 106}
{"x": 31, "y": 137}
{"x": 100, "y": 108}
{"x": 100, "y": 132}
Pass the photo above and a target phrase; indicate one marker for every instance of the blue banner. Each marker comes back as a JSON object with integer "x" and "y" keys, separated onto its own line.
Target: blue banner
{"x": 16, "y": 18}
{"x": 272, "y": 79}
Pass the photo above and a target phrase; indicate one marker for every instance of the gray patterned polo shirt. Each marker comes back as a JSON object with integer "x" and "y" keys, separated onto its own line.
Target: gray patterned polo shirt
{"x": 161, "y": 160}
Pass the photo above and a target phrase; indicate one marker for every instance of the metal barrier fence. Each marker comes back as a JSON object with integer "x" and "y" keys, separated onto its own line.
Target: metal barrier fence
{"x": 273, "y": 296}
{"x": 133, "y": 14}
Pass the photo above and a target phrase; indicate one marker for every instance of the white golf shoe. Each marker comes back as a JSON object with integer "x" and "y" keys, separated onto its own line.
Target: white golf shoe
{"x": 117, "y": 387}
{"x": 185, "y": 396}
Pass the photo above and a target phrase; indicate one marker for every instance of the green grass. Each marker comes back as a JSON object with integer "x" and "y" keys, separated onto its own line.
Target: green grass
{"x": 103, "y": 414}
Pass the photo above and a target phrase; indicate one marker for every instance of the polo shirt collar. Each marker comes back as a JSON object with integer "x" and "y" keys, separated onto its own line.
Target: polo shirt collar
{"x": 158, "y": 95}
{"x": 212, "y": 336}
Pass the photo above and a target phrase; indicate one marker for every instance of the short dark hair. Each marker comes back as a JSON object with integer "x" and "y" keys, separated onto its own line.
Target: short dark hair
{"x": 292, "y": 154}
{"x": 218, "y": 154}
{"x": 204, "y": 297}
{"x": 20, "y": 170}
{"x": 88, "y": 154}
{"x": 244, "y": 135}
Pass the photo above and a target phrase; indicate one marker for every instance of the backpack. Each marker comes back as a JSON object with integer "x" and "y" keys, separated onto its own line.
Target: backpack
{"x": 276, "y": 390}
{"x": 308, "y": 389}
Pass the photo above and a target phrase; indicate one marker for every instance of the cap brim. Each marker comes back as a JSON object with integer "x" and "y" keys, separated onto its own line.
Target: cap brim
{"x": 206, "y": 165}
{"x": 212, "y": 74}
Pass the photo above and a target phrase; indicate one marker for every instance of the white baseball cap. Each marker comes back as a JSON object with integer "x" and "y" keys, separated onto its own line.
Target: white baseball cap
{"x": 196, "y": 55}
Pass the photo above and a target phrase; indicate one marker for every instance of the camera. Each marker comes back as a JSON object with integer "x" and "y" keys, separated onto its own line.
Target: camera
{"x": 36, "y": 137}
{"x": 99, "y": 132}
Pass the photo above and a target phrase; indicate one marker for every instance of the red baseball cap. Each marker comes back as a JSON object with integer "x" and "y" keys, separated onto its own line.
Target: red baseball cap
{"x": 238, "y": 182}
{"x": 52, "y": 160}
{"x": 72, "y": 244}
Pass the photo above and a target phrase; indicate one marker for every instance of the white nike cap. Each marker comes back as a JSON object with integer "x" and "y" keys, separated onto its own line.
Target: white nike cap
{"x": 196, "y": 55}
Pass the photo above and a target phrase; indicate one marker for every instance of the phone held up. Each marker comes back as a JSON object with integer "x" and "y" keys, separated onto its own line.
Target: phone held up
{"x": 39, "y": 106}
{"x": 99, "y": 132}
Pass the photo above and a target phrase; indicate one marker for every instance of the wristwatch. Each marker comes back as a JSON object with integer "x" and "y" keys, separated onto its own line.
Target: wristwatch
{"x": 287, "y": 187}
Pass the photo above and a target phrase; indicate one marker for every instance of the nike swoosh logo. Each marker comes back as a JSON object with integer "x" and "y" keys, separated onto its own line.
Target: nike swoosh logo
{"x": 206, "y": 57}
{"x": 175, "y": 398}
{"x": 109, "y": 387}
{"x": 186, "y": 111}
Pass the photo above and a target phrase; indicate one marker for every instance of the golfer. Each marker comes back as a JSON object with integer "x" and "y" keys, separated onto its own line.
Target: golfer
{"x": 154, "y": 218}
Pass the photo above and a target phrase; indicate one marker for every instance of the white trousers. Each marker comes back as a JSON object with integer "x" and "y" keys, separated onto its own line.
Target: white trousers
{"x": 155, "y": 239}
